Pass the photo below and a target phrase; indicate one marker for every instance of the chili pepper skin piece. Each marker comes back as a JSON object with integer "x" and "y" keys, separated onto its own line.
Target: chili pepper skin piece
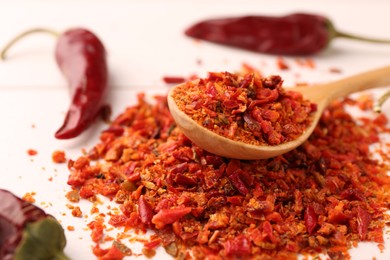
{"x": 295, "y": 34}
{"x": 311, "y": 219}
{"x": 81, "y": 57}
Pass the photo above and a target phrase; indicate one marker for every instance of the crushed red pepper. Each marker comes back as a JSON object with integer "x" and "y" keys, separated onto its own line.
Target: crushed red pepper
{"x": 58, "y": 156}
{"x": 32, "y": 152}
{"x": 323, "y": 197}
{"x": 246, "y": 108}
{"x": 282, "y": 64}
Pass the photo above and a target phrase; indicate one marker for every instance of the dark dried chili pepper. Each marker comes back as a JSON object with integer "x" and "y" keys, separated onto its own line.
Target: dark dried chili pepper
{"x": 27, "y": 232}
{"x": 81, "y": 57}
{"x": 294, "y": 34}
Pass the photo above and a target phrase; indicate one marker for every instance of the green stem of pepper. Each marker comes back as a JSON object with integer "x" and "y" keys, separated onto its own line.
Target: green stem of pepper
{"x": 381, "y": 100}
{"x": 43, "y": 239}
{"x": 22, "y": 35}
{"x": 334, "y": 33}
{"x": 360, "y": 38}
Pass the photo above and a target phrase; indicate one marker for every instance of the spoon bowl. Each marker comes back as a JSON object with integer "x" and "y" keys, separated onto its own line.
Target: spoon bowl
{"x": 321, "y": 95}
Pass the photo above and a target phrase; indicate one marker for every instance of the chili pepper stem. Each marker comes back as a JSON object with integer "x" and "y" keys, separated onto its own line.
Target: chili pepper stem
{"x": 381, "y": 100}
{"x": 334, "y": 33}
{"x": 22, "y": 35}
{"x": 359, "y": 38}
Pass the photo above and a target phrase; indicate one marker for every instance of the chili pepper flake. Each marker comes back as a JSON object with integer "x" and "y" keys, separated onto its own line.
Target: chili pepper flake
{"x": 173, "y": 79}
{"x": 29, "y": 197}
{"x": 73, "y": 196}
{"x": 32, "y": 152}
{"x": 70, "y": 228}
{"x": 323, "y": 197}
{"x": 245, "y": 108}
{"x": 58, "y": 156}
{"x": 76, "y": 212}
{"x": 335, "y": 70}
{"x": 282, "y": 64}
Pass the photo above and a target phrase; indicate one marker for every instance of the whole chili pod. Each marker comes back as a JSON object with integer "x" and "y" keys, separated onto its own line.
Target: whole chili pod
{"x": 294, "y": 34}
{"x": 81, "y": 57}
{"x": 27, "y": 232}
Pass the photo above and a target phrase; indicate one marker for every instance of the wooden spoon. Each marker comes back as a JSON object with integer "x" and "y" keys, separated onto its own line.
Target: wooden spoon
{"x": 322, "y": 95}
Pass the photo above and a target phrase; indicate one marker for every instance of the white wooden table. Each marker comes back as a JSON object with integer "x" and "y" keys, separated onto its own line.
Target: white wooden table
{"x": 145, "y": 42}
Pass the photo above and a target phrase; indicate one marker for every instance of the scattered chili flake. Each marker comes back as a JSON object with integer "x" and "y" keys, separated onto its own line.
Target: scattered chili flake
{"x": 173, "y": 79}
{"x": 148, "y": 252}
{"x": 122, "y": 248}
{"x": 246, "y": 68}
{"x": 282, "y": 64}
{"x": 70, "y": 228}
{"x": 323, "y": 197}
{"x": 108, "y": 254}
{"x": 365, "y": 102}
{"x": 97, "y": 226}
{"x": 58, "y": 156}
{"x": 94, "y": 210}
{"x": 307, "y": 62}
{"x": 381, "y": 247}
{"x": 108, "y": 238}
{"x": 245, "y": 107}
{"x": 69, "y": 206}
{"x": 310, "y": 63}
{"x": 105, "y": 114}
{"x": 29, "y": 197}
{"x": 73, "y": 196}
{"x": 301, "y": 84}
{"x": 32, "y": 152}
{"x": 335, "y": 70}
{"x": 76, "y": 212}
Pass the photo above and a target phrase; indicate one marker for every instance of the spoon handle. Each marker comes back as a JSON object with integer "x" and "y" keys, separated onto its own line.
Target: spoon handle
{"x": 367, "y": 80}
{"x": 341, "y": 88}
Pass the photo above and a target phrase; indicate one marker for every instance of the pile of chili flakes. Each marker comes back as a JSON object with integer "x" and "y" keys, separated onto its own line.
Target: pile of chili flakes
{"x": 323, "y": 197}
{"x": 245, "y": 107}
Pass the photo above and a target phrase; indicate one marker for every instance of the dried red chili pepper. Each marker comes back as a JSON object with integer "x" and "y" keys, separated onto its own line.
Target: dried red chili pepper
{"x": 294, "y": 34}
{"x": 24, "y": 230}
{"x": 81, "y": 57}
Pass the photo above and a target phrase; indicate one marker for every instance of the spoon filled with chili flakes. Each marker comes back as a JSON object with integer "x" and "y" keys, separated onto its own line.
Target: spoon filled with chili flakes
{"x": 249, "y": 117}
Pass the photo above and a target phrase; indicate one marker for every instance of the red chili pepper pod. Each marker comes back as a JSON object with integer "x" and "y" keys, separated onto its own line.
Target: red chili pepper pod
{"x": 81, "y": 57}
{"x": 294, "y": 34}
{"x": 24, "y": 228}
